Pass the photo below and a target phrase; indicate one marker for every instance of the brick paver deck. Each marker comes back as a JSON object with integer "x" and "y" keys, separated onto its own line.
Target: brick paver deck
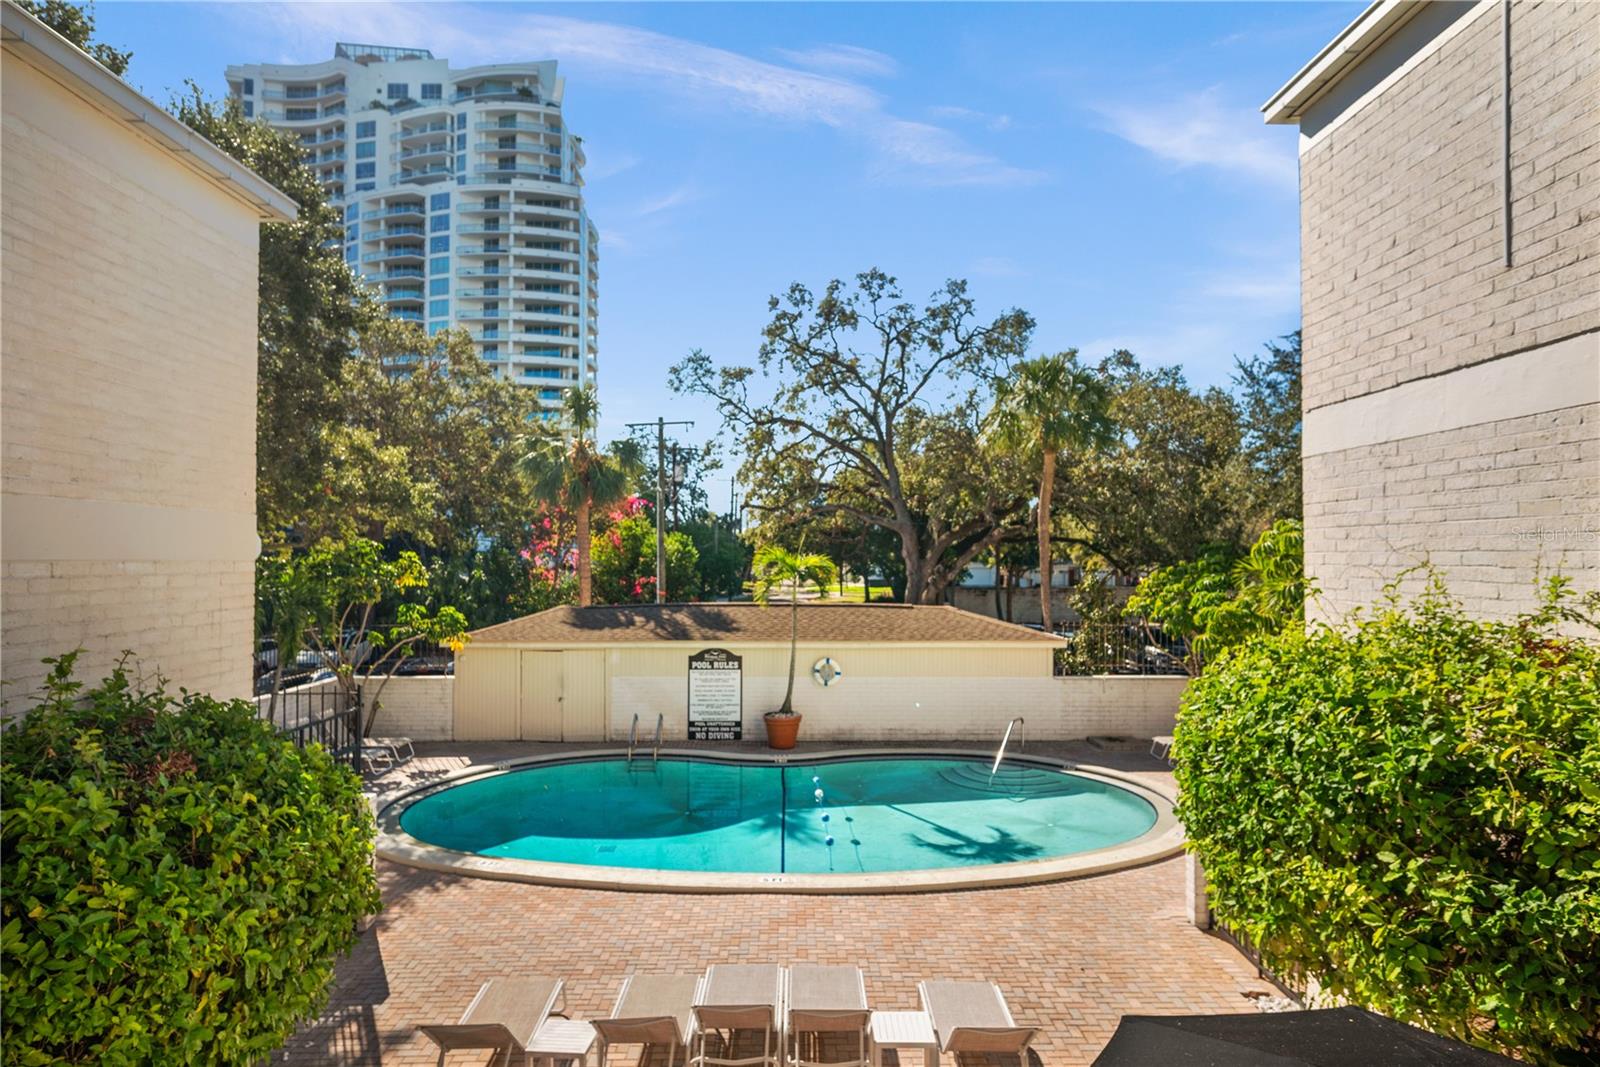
{"x": 1072, "y": 957}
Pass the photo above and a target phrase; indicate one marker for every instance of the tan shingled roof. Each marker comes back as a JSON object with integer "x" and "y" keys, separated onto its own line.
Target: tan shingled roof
{"x": 746, "y": 622}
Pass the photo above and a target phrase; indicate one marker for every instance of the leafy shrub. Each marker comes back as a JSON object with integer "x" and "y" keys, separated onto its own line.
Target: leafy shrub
{"x": 625, "y": 563}
{"x": 178, "y": 879}
{"x": 1408, "y": 808}
{"x": 1221, "y": 598}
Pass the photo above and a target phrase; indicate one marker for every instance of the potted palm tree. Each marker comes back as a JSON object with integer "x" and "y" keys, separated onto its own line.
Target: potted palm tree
{"x": 570, "y": 470}
{"x": 777, "y": 568}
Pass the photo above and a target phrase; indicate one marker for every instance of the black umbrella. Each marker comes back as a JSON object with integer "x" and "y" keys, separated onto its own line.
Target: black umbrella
{"x": 1334, "y": 1037}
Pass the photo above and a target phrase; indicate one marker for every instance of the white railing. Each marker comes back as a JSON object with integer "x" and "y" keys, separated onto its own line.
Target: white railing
{"x": 1000, "y": 753}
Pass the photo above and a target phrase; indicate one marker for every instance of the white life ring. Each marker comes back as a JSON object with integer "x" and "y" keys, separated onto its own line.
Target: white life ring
{"x": 825, "y": 672}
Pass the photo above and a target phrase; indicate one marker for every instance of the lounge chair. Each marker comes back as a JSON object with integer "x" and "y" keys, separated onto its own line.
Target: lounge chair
{"x": 651, "y": 1009}
{"x": 383, "y": 754}
{"x": 827, "y": 1000}
{"x": 973, "y": 1017}
{"x": 394, "y": 745}
{"x": 1161, "y": 748}
{"x": 377, "y": 758}
{"x": 505, "y": 1015}
{"x": 740, "y": 997}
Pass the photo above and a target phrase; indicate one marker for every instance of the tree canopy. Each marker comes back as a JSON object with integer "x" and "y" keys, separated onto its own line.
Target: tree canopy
{"x": 310, "y": 313}
{"x": 1169, "y": 485}
{"x": 863, "y": 403}
{"x": 1268, "y": 387}
{"x": 75, "y": 22}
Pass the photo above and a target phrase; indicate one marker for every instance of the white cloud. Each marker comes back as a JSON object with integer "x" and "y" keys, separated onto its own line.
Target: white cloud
{"x": 1274, "y": 290}
{"x": 921, "y": 153}
{"x": 992, "y": 123}
{"x": 997, "y": 267}
{"x": 683, "y": 194}
{"x": 1181, "y": 343}
{"x": 1200, "y": 130}
{"x": 846, "y": 59}
{"x": 694, "y": 74}
{"x": 605, "y": 166}
{"x": 1203, "y": 325}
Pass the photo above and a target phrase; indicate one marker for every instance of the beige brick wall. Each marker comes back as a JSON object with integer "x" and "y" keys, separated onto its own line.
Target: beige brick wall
{"x": 857, "y": 709}
{"x": 127, "y": 406}
{"x": 187, "y": 621}
{"x": 928, "y": 709}
{"x": 1409, "y": 309}
{"x": 1493, "y": 506}
{"x": 1401, "y": 228}
{"x": 416, "y": 707}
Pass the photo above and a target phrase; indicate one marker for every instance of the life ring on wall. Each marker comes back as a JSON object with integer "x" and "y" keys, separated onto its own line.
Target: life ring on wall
{"x": 825, "y": 672}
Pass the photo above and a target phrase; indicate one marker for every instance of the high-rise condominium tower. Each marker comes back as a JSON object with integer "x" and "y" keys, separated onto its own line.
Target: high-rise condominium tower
{"x": 462, "y": 193}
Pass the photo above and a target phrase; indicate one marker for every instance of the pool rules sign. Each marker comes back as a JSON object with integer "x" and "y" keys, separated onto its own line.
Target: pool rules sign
{"x": 716, "y": 696}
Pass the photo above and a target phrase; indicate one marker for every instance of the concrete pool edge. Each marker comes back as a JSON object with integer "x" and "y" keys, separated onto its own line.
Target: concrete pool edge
{"x": 1163, "y": 840}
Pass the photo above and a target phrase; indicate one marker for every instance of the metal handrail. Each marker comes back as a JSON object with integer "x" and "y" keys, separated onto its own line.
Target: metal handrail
{"x": 1000, "y": 753}
{"x": 655, "y": 748}
{"x": 633, "y": 737}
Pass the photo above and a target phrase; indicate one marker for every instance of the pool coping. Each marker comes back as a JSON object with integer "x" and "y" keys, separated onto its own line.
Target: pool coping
{"x": 1163, "y": 840}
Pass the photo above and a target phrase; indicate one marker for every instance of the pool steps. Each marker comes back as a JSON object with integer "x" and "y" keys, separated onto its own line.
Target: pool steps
{"x": 1020, "y": 782}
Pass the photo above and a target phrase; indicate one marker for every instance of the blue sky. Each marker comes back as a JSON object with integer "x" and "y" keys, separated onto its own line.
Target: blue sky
{"x": 1103, "y": 166}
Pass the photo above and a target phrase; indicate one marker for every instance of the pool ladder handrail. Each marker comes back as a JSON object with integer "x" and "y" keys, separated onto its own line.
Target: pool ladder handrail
{"x": 655, "y": 744}
{"x": 1000, "y": 753}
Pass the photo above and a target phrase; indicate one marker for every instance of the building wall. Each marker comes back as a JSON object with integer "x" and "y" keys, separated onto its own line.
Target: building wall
{"x": 1452, "y": 403}
{"x": 890, "y": 692}
{"x": 417, "y": 707}
{"x": 1024, "y": 602}
{"x": 127, "y": 406}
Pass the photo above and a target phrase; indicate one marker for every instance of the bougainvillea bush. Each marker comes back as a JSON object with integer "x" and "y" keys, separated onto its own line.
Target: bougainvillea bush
{"x": 178, "y": 879}
{"x": 1408, "y": 807}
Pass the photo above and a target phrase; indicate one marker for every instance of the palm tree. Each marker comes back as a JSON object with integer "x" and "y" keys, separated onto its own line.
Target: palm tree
{"x": 1048, "y": 405}
{"x": 777, "y": 567}
{"x": 570, "y": 470}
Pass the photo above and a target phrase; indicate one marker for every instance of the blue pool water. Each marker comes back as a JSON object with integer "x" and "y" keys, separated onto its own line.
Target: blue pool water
{"x": 695, "y": 815}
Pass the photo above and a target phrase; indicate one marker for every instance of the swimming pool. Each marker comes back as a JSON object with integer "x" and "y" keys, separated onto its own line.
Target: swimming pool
{"x": 850, "y": 816}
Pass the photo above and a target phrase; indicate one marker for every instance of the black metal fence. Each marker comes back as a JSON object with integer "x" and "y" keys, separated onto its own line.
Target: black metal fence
{"x": 1292, "y": 980}
{"x": 1123, "y": 647}
{"x": 328, "y": 715}
{"x": 421, "y": 658}
{"x": 427, "y": 657}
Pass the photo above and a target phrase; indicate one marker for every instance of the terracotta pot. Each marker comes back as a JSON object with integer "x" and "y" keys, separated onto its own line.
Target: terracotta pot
{"x": 782, "y": 730}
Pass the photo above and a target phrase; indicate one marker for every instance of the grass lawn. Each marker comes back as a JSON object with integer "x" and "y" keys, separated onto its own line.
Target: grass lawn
{"x": 852, "y": 592}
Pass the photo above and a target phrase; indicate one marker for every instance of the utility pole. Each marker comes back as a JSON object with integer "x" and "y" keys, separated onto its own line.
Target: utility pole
{"x": 716, "y": 522}
{"x": 661, "y": 500}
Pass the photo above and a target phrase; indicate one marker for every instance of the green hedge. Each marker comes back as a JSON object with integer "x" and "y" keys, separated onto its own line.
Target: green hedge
{"x": 177, "y": 878}
{"x": 1409, "y": 809}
